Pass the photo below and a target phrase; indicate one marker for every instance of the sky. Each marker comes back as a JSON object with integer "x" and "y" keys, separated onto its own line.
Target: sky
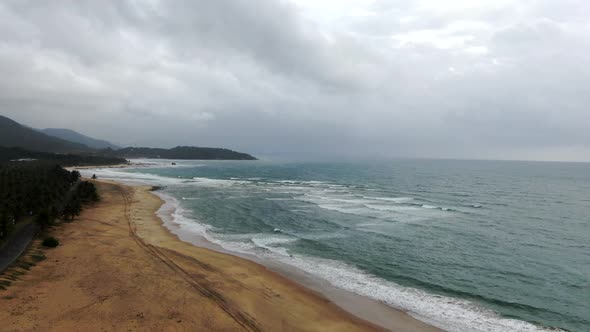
{"x": 486, "y": 79}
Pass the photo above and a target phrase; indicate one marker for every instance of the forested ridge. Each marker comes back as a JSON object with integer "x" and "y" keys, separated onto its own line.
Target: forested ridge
{"x": 14, "y": 153}
{"x": 73, "y": 136}
{"x": 43, "y": 191}
{"x": 180, "y": 152}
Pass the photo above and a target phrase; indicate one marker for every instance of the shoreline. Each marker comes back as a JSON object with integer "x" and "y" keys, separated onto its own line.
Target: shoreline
{"x": 244, "y": 259}
{"x": 373, "y": 311}
{"x": 360, "y": 306}
{"x": 118, "y": 267}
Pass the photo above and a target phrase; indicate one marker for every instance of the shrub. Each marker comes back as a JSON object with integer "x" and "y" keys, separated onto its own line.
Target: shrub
{"x": 38, "y": 258}
{"x": 50, "y": 242}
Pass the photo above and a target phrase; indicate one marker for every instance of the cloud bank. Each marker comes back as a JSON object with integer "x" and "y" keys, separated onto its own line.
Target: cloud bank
{"x": 354, "y": 78}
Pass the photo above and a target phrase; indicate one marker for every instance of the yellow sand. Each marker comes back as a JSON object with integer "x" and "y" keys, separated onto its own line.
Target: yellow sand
{"x": 118, "y": 268}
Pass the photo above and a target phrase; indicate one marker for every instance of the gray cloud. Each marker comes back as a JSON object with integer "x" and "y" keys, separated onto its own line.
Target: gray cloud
{"x": 492, "y": 79}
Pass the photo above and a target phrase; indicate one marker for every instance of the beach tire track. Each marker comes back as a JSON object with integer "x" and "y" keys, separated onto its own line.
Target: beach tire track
{"x": 240, "y": 317}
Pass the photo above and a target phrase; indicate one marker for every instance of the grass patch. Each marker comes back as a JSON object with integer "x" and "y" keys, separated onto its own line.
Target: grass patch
{"x": 25, "y": 265}
{"x": 4, "y": 284}
{"x": 38, "y": 258}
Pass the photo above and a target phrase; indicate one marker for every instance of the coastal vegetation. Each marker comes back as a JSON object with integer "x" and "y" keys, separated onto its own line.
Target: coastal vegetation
{"x": 41, "y": 191}
{"x": 16, "y": 153}
{"x": 180, "y": 152}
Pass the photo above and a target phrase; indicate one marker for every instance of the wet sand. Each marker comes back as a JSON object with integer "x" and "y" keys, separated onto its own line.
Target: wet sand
{"x": 118, "y": 268}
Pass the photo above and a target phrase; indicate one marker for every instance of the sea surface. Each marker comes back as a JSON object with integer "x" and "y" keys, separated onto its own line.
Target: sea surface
{"x": 463, "y": 245}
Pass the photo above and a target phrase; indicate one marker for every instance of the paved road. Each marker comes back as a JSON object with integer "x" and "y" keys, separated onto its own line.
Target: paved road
{"x": 17, "y": 245}
{"x": 19, "y": 241}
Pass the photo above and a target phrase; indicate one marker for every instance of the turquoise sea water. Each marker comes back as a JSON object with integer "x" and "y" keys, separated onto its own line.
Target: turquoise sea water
{"x": 464, "y": 245}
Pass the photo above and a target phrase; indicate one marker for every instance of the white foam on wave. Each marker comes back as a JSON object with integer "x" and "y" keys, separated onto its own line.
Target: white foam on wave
{"x": 129, "y": 177}
{"x": 367, "y": 206}
{"x": 395, "y": 208}
{"x": 301, "y": 210}
{"x": 322, "y": 236}
{"x": 287, "y": 181}
{"x": 216, "y": 183}
{"x": 444, "y": 312}
{"x": 358, "y": 210}
{"x": 241, "y": 243}
{"x": 272, "y": 243}
{"x": 300, "y": 181}
{"x": 173, "y": 212}
{"x": 173, "y": 207}
{"x": 432, "y": 207}
{"x": 391, "y": 199}
{"x": 322, "y": 198}
{"x": 123, "y": 175}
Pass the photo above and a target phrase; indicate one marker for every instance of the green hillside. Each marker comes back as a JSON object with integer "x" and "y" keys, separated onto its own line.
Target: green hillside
{"x": 13, "y": 134}
{"x": 183, "y": 152}
{"x": 73, "y": 136}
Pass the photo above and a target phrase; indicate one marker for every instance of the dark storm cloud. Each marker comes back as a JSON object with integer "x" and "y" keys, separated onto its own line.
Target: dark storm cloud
{"x": 492, "y": 79}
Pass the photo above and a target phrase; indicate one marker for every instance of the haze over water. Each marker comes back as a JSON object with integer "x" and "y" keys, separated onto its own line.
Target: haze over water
{"x": 464, "y": 245}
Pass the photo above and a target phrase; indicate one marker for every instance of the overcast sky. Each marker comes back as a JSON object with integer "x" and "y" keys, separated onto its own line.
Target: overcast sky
{"x": 506, "y": 79}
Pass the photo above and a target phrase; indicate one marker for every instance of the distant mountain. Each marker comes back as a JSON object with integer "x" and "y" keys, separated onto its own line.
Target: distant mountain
{"x": 64, "y": 141}
{"x": 183, "y": 152}
{"x": 13, "y": 134}
{"x": 72, "y": 136}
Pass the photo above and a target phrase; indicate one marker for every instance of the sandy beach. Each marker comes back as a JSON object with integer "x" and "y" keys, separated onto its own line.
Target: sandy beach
{"x": 118, "y": 268}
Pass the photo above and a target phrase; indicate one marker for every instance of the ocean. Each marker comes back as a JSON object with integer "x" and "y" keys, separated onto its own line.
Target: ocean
{"x": 462, "y": 245}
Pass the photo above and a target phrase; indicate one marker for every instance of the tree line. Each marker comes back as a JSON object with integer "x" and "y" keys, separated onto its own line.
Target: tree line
{"x": 40, "y": 190}
{"x": 179, "y": 152}
{"x": 15, "y": 153}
